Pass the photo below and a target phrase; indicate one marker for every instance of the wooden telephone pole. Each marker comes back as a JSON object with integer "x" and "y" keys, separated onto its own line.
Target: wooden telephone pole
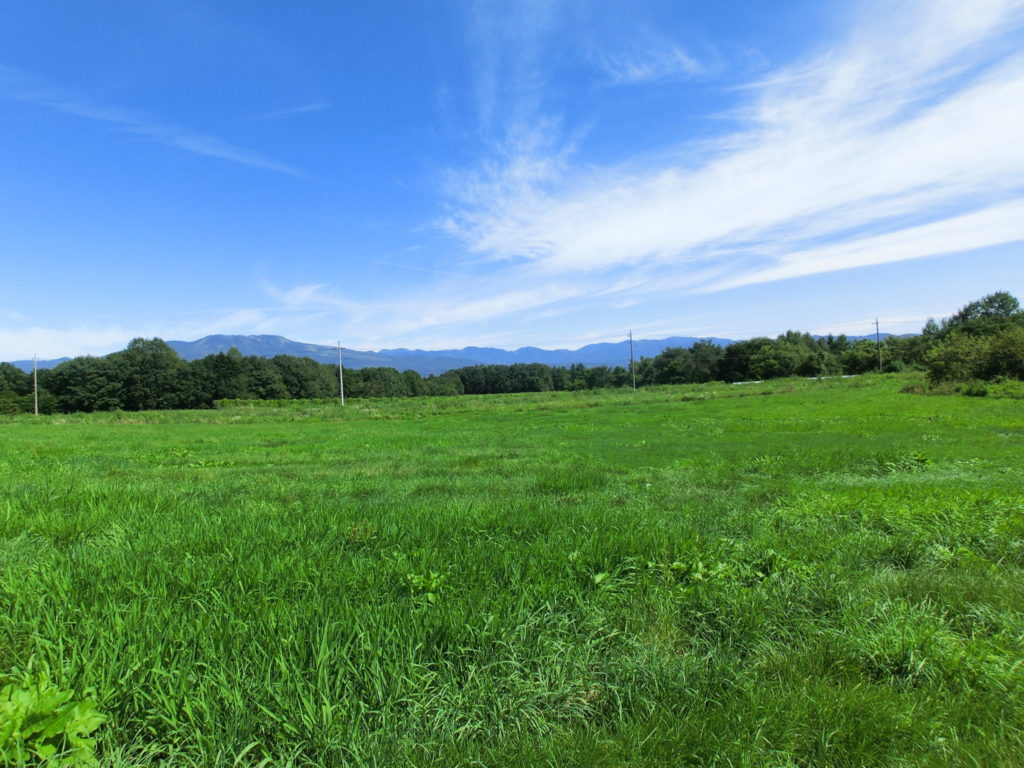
{"x": 878, "y": 345}
{"x": 341, "y": 377}
{"x": 632, "y": 370}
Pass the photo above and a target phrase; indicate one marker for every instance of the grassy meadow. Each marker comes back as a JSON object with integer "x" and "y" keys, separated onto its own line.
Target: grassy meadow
{"x": 795, "y": 573}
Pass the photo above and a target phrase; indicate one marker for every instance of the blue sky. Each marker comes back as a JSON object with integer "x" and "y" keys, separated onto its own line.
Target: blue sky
{"x": 436, "y": 174}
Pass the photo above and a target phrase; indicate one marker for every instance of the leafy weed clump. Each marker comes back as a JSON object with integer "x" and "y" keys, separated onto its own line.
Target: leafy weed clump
{"x": 42, "y": 724}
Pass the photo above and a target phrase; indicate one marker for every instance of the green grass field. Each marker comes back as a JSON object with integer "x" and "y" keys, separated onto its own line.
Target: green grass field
{"x": 796, "y": 573}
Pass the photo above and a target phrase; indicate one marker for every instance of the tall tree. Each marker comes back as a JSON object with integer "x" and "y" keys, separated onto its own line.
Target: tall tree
{"x": 305, "y": 378}
{"x": 86, "y": 384}
{"x": 150, "y": 372}
{"x": 13, "y": 379}
{"x": 986, "y": 316}
{"x": 220, "y": 376}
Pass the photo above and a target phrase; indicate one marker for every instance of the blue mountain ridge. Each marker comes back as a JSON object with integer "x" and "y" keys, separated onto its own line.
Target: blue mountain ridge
{"x": 424, "y": 361}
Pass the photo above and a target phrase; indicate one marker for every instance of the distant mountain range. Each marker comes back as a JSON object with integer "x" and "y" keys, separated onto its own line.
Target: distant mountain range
{"x": 423, "y": 361}
{"x": 427, "y": 361}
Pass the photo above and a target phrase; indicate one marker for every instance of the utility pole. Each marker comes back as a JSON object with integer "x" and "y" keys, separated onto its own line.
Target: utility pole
{"x": 35, "y": 383}
{"x": 341, "y": 377}
{"x": 878, "y": 345}
{"x": 632, "y": 370}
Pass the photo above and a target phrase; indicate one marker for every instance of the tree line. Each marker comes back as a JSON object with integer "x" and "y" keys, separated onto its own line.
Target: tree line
{"x": 984, "y": 340}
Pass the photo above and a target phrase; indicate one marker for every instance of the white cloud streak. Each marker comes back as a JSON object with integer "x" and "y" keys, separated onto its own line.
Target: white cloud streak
{"x": 302, "y": 109}
{"x": 858, "y": 158}
{"x": 16, "y": 85}
{"x": 658, "y": 62}
{"x": 901, "y": 142}
{"x": 991, "y": 226}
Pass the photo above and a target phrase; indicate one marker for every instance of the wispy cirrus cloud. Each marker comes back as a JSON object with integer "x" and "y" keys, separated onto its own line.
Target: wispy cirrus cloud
{"x": 508, "y": 67}
{"x": 308, "y": 294}
{"x": 433, "y": 311}
{"x": 649, "y": 62}
{"x": 19, "y": 86}
{"x": 901, "y": 141}
{"x": 288, "y": 112}
{"x": 991, "y": 226}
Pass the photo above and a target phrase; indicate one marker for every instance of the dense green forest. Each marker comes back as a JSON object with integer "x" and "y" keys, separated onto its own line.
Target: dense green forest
{"x": 983, "y": 341}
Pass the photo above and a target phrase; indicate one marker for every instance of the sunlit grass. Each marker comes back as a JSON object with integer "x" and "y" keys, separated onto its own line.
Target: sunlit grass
{"x": 791, "y": 573}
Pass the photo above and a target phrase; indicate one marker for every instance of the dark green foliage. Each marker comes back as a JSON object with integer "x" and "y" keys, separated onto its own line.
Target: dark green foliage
{"x": 447, "y": 384}
{"x": 963, "y": 357}
{"x": 504, "y": 379}
{"x": 414, "y": 383}
{"x": 735, "y": 364}
{"x": 13, "y": 379}
{"x": 10, "y": 403}
{"x": 263, "y": 380}
{"x": 779, "y": 359}
{"x": 985, "y": 340}
{"x": 791, "y": 354}
{"x": 377, "y": 382}
{"x": 304, "y": 378}
{"x": 861, "y": 357}
{"x": 577, "y": 377}
{"x": 673, "y": 366}
{"x": 957, "y": 358}
{"x": 1005, "y": 356}
{"x": 149, "y": 372}
{"x": 86, "y": 384}
{"x": 220, "y": 376}
{"x": 985, "y": 317}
